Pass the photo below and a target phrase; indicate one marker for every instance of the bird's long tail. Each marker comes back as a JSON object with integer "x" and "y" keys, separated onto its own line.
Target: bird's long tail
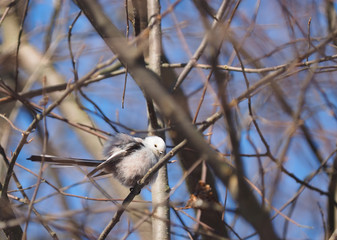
{"x": 65, "y": 160}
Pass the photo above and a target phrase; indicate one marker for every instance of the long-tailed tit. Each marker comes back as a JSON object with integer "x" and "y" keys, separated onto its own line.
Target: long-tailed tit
{"x": 127, "y": 158}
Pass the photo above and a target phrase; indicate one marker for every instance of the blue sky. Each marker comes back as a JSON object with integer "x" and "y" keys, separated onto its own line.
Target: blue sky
{"x": 269, "y": 32}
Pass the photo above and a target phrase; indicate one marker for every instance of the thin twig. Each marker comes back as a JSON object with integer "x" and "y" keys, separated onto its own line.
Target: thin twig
{"x": 10, "y": 5}
{"x": 10, "y": 123}
{"x": 73, "y": 62}
{"x": 18, "y": 46}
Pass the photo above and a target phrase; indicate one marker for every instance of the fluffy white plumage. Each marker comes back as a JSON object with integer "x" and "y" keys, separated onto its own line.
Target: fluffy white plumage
{"x": 130, "y": 158}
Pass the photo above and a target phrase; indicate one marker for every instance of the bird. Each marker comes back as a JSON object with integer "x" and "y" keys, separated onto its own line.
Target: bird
{"x": 128, "y": 158}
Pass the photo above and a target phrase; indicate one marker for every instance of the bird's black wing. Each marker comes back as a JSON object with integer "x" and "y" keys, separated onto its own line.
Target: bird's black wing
{"x": 120, "y": 141}
{"x": 117, "y": 155}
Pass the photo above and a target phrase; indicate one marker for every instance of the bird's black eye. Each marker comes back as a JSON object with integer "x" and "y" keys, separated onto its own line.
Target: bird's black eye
{"x": 155, "y": 145}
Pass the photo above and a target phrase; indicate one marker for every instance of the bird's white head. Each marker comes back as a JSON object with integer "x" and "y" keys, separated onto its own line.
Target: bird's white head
{"x": 156, "y": 144}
